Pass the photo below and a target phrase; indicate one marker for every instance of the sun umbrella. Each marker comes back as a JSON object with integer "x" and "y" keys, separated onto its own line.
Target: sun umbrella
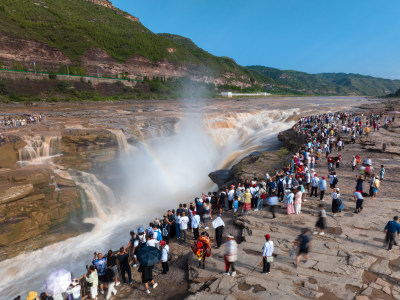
{"x": 57, "y": 282}
{"x": 149, "y": 256}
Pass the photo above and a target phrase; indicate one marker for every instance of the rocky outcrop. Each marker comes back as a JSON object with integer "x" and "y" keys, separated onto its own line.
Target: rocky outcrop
{"x": 9, "y": 151}
{"x": 85, "y": 149}
{"x": 31, "y": 207}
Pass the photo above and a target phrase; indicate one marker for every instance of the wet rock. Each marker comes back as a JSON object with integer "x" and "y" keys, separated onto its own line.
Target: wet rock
{"x": 61, "y": 181}
{"x": 220, "y": 177}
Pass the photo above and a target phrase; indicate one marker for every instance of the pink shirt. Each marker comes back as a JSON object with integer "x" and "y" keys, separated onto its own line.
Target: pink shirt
{"x": 297, "y": 198}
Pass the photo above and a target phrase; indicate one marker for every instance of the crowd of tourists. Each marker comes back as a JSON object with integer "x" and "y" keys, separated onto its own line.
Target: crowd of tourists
{"x": 19, "y": 120}
{"x": 296, "y": 183}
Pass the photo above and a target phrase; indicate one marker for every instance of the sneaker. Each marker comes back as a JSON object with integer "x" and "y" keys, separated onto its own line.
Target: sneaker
{"x": 225, "y": 273}
{"x": 155, "y": 285}
{"x": 131, "y": 282}
{"x": 148, "y": 291}
{"x": 256, "y": 209}
{"x": 315, "y": 232}
{"x": 233, "y": 273}
{"x": 274, "y": 218}
{"x": 134, "y": 265}
{"x": 101, "y": 292}
{"x": 321, "y": 233}
{"x": 118, "y": 283}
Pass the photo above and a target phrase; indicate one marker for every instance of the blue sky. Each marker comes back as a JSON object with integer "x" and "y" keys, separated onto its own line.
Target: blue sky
{"x": 352, "y": 36}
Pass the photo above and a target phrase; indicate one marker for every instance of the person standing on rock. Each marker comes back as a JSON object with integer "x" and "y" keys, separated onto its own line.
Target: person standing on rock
{"x": 230, "y": 255}
{"x": 195, "y": 225}
{"x": 221, "y": 201}
{"x": 321, "y": 223}
{"x": 391, "y": 228}
{"x": 268, "y": 250}
{"x": 297, "y": 201}
{"x": 314, "y": 185}
{"x": 289, "y": 198}
{"x": 164, "y": 257}
{"x": 304, "y": 243}
{"x": 247, "y": 202}
{"x": 335, "y": 201}
{"x": 375, "y": 187}
{"x": 322, "y": 188}
{"x": 359, "y": 199}
{"x": 218, "y": 225}
{"x": 183, "y": 222}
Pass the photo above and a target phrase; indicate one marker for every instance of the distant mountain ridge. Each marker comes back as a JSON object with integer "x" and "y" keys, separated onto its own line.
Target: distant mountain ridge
{"x": 93, "y": 37}
{"x": 328, "y": 83}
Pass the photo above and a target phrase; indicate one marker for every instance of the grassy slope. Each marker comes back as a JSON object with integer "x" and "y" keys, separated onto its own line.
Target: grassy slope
{"x": 74, "y": 26}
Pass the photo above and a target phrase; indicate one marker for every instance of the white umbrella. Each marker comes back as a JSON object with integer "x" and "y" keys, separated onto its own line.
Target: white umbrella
{"x": 57, "y": 282}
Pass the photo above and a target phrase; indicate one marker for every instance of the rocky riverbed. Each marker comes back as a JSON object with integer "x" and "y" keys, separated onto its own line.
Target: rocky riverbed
{"x": 348, "y": 262}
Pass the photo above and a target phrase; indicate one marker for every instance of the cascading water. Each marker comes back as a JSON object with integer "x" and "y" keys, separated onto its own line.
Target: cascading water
{"x": 38, "y": 147}
{"x": 155, "y": 176}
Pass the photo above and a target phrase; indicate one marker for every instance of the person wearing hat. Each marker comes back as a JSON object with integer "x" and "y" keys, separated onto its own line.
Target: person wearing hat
{"x": 322, "y": 188}
{"x": 32, "y": 296}
{"x": 164, "y": 257}
{"x": 230, "y": 255}
{"x": 268, "y": 250}
{"x": 74, "y": 290}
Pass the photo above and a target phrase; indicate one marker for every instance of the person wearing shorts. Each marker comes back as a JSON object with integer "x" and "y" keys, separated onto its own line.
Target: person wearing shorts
{"x": 304, "y": 243}
{"x": 147, "y": 276}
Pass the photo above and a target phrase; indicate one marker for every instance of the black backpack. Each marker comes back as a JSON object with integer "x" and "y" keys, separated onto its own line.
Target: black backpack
{"x": 335, "y": 180}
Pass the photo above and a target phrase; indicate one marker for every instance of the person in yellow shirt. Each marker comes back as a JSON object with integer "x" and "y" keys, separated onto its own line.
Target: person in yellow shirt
{"x": 367, "y": 131}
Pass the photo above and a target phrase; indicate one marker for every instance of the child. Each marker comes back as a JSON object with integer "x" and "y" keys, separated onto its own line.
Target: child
{"x": 235, "y": 206}
{"x": 382, "y": 173}
{"x": 321, "y": 220}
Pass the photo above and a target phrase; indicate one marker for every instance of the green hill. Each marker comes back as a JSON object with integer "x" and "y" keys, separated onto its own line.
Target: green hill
{"x": 290, "y": 81}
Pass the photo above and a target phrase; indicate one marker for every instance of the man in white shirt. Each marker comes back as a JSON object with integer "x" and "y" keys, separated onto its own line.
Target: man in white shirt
{"x": 183, "y": 226}
{"x": 268, "y": 250}
{"x": 195, "y": 225}
{"x": 231, "y": 196}
{"x": 230, "y": 255}
{"x": 164, "y": 257}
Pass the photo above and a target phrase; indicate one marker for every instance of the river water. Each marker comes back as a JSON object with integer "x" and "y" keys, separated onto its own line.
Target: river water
{"x": 156, "y": 174}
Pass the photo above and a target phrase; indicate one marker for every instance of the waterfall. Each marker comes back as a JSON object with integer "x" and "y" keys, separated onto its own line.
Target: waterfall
{"x": 100, "y": 196}
{"x": 123, "y": 145}
{"x": 39, "y": 147}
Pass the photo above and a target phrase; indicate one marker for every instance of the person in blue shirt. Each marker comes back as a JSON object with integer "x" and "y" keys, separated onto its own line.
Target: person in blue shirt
{"x": 303, "y": 243}
{"x": 101, "y": 265}
{"x": 391, "y": 228}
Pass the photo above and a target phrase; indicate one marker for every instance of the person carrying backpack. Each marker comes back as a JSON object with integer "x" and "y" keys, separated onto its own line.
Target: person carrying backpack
{"x": 165, "y": 230}
{"x": 164, "y": 257}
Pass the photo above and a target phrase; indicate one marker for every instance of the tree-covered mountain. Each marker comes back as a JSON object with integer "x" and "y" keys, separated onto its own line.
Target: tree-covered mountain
{"x": 289, "y": 81}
